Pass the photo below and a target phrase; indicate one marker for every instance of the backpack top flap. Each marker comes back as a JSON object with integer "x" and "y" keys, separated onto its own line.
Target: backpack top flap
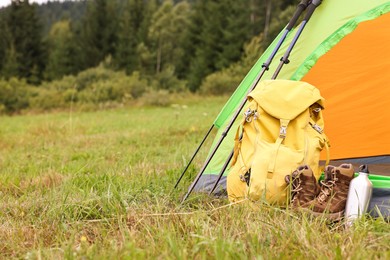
{"x": 285, "y": 99}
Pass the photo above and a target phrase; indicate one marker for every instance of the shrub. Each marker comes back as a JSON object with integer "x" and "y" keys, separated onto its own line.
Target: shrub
{"x": 46, "y": 99}
{"x": 227, "y": 80}
{"x": 160, "y": 98}
{"x": 96, "y": 87}
{"x": 61, "y": 85}
{"x": 14, "y": 95}
{"x": 137, "y": 85}
{"x": 120, "y": 88}
{"x": 54, "y": 94}
{"x": 85, "y": 78}
{"x": 93, "y": 86}
{"x": 167, "y": 80}
{"x": 220, "y": 83}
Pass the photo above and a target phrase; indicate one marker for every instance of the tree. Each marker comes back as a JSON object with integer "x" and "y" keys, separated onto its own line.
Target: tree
{"x": 131, "y": 33}
{"x": 8, "y": 61}
{"x": 98, "y": 33}
{"x": 166, "y": 31}
{"x": 2, "y": 47}
{"x": 224, "y": 28}
{"x": 10, "y": 64}
{"x": 26, "y": 49}
{"x": 204, "y": 37}
{"x": 62, "y": 51}
{"x": 236, "y": 31}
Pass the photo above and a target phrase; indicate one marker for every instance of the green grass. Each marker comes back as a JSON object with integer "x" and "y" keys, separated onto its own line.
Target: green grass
{"x": 99, "y": 185}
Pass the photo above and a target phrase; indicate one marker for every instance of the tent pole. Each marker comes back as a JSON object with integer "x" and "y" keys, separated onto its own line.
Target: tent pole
{"x": 300, "y": 8}
{"x": 284, "y": 60}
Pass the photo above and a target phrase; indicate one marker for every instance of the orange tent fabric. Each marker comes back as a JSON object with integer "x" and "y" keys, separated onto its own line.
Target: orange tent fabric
{"x": 357, "y": 92}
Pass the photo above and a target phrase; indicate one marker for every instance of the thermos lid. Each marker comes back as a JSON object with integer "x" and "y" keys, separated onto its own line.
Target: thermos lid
{"x": 364, "y": 168}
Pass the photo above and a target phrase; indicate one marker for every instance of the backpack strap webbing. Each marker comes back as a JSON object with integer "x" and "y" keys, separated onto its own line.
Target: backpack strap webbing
{"x": 282, "y": 135}
{"x": 325, "y": 138}
{"x": 249, "y": 115}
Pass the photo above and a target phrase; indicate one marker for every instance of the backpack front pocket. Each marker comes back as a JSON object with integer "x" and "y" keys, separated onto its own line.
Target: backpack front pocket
{"x": 268, "y": 172}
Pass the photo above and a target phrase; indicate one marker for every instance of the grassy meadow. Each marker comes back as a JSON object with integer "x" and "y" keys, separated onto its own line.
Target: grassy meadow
{"x": 99, "y": 185}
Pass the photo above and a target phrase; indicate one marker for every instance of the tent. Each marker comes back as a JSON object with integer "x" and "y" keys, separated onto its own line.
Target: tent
{"x": 345, "y": 52}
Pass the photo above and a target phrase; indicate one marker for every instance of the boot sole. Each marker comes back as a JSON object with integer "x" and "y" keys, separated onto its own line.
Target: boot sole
{"x": 332, "y": 216}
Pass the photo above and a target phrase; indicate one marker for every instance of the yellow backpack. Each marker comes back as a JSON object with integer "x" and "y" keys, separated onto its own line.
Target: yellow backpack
{"x": 281, "y": 130}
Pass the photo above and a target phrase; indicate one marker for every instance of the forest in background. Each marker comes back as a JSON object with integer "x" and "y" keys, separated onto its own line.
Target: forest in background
{"x": 117, "y": 51}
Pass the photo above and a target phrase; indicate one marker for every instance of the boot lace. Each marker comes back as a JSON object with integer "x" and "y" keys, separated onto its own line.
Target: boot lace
{"x": 296, "y": 188}
{"x": 326, "y": 188}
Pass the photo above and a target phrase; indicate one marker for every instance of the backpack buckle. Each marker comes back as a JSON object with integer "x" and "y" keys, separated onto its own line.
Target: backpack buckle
{"x": 283, "y": 131}
{"x": 246, "y": 177}
{"x": 248, "y": 115}
{"x": 317, "y": 128}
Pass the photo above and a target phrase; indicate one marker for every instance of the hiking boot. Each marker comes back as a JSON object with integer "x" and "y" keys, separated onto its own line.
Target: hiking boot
{"x": 304, "y": 186}
{"x": 334, "y": 191}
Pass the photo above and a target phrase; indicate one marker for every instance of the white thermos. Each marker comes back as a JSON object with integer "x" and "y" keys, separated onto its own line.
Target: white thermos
{"x": 359, "y": 195}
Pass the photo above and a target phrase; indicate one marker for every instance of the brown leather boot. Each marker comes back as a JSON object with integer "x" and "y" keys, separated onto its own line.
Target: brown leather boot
{"x": 334, "y": 191}
{"x": 304, "y": 186}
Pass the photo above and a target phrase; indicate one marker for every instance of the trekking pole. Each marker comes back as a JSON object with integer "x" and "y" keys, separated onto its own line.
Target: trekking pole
{"x": 225, "y": 165}
{"x": 300, "y": 8}
{"x": 193, "y": 156}
{"x": 284, "y": 60}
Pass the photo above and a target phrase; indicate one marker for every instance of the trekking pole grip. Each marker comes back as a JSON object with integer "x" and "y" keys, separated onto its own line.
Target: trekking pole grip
{"x": 301, "y": 7}
{"x": 310, "y": 9}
